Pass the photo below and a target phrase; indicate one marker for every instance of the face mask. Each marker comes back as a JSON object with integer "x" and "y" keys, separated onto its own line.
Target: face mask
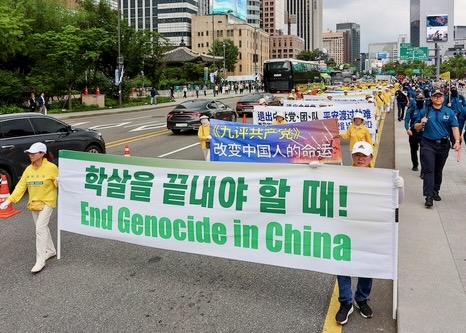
{"x": 204, "y": 121}
{"x": 419, "y": 104}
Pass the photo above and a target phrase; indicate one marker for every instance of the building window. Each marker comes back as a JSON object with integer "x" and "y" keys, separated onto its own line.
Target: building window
{"x": 240, "y": 43}
{"x": 240, "y": 68}
{"x": 239, "y": 32}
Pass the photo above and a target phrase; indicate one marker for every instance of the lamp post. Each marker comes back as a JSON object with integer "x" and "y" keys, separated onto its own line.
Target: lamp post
{"x": 224, "y": 63}
{"x": 120, "y": 58}
{"x": 255, "y": 54}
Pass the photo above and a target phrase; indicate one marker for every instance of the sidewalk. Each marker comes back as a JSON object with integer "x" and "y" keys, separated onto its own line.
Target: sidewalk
{"x": 432, "y": 248}
{"x": 106, "y": 111}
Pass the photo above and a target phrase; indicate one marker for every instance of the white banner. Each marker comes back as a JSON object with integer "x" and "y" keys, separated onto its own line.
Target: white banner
{"x": 264, "y": 115}
{"x": 333, "y": 219}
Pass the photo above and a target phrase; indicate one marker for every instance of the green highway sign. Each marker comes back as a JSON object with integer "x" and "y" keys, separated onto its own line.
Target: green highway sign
{"x": 416, "y": 71}
{"x": 405, "y": 44}
{"x": 414, "y": 53}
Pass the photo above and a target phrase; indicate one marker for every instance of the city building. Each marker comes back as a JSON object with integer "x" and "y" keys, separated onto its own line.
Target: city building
{"x": 336, "y": 45}
{"x": 250, "y": 40}
{"x": 354, "y": 42}
{"x": 380, "y": 54}
{"x": 419, "y": 32}
{"x": 171, "y": 18}
{"x": 307, "y": 15}
{"x": 283, "y": 43}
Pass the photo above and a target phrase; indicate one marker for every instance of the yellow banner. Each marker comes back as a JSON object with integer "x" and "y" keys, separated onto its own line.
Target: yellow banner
{"x": 445, "y": 76}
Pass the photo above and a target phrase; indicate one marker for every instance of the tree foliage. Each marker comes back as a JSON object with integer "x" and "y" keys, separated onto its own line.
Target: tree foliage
{"x": 49, "y": 47}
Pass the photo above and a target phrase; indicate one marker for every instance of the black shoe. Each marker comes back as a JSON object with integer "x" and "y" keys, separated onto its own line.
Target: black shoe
{"x": 436, "y": 196}
{"x": 429, "y": 201}
{"x": 415, "y": 168}
{"x": 364, "y": 309}
{"x": 345, "y": 310}
{"x": 421, "y": 175}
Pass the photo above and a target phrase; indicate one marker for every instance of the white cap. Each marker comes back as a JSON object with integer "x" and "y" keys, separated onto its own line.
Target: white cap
{"x": 262, "y": 101}
{"x": 363, "y": 147}
{"x": 358, "y": 115}
{"x": 204, "y": 117}
{"x": 36, "y": 148}
{"x": 280, "y": 114}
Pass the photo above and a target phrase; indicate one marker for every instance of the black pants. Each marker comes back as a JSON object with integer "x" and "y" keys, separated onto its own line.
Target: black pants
{"x": 433, "y": 157}
{"x": 414, "y": 143}
{"x": 401, "y": 111}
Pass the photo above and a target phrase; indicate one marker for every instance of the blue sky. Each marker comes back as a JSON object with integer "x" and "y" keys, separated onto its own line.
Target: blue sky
{"x": 380, "y": 20}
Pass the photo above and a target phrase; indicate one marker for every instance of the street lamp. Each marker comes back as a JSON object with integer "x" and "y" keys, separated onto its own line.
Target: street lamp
{"x": 224, "y": 63}
{"x": 120, "y": 58}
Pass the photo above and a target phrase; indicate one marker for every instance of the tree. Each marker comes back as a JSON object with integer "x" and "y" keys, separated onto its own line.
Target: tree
{"x": 310, "y": 55}
{"x": 231, "y": 53}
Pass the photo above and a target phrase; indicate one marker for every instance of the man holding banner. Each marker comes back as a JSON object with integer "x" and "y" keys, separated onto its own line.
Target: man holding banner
{"x": 362, "y": 155}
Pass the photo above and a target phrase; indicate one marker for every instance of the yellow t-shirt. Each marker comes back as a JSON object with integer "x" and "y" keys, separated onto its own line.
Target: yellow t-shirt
{"x": 40, "y": 184}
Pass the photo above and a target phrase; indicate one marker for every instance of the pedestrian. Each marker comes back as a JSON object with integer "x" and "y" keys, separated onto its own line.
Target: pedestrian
{"x": 439, "y": 124}
{"x": 379, "y": 104}
{"x": 401, "y": 101}
{"x": 216, "y": 90}
{"x": 172, "y": 92}
{"x": 292, "y": 95}
{"x": 40, "y": 180}
{"x": 32, "y": 103}
{"x": 457, "y": 103}
{"x": 185, "y": 91}
{"x": 153, "y": 96}
{"x": 362, "y": 155}
{"x": 279, "y": 118}
{"x": 357, "y": 131}
{"x": 203, "y": 133}
{"x": 196, "y": 88}
{"x": 42, "y": 106}
{"x": 204, "y": 89}
{"x": 262, "y": 102}
{"x": 415, "y": 136}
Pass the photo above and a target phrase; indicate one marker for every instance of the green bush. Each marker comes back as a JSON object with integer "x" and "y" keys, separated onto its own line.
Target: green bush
{"x": 11, "y": 109}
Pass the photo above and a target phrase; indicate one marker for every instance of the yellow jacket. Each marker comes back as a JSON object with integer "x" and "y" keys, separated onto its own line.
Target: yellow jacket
{"x": 379, "y": 100}
{"x": 355, "y": 134}
{"x": 40, "y": 184}
{"x": 203, "y": 134}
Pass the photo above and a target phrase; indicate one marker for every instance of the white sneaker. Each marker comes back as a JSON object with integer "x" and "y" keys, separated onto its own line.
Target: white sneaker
{"x": 49, "y": 255}
{"x": 37, "y": 268}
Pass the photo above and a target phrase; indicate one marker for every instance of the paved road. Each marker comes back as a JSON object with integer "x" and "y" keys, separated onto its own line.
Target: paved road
{"x": 107, "y": 286}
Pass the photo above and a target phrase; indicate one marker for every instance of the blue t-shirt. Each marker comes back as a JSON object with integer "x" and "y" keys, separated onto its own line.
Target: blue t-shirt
{"x": 413, "y": 114}
{"x": 439, "y": 124}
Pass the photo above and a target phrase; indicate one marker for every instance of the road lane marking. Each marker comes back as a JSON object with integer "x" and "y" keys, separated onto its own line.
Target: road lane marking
{"x": 178, "y": 150}
{"x": 135, "y": 138}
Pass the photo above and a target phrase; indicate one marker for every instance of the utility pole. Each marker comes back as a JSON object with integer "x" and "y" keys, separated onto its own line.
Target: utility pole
{"x": 120, "y": 58}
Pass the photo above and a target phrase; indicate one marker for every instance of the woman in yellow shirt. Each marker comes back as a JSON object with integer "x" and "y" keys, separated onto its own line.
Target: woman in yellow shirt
{"x": 203, "y": 133}
{"x": 40, "y": 180}
{"x": 357, "y": 131}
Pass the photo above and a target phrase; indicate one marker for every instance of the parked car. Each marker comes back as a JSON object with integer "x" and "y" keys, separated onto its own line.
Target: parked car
{"x": 246, "y": 103}
{"x": 18, "y": 131}
{"x": 185, "y": 116}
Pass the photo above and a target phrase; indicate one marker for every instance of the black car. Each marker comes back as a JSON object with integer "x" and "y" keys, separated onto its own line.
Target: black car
{"x": 18, "y": 131}
{"x": 246, "y": 103}
{"x": 185, "y": 116}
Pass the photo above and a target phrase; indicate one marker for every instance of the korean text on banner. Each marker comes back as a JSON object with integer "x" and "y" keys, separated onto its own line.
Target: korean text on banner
{"x": 333, "y": 219}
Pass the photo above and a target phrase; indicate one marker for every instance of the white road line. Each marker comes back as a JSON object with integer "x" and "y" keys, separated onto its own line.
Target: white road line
{"x": 178, "y": 150}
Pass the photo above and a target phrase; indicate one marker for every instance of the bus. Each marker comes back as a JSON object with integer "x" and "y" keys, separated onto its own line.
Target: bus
{"x": 282, "y": 75}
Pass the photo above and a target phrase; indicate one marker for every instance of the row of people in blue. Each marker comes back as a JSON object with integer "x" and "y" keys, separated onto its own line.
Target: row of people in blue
{"x": 434, "y": 124}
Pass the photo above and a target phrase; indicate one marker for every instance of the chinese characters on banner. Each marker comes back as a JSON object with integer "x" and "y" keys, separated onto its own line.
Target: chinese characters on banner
{"x": 289, "y": 143}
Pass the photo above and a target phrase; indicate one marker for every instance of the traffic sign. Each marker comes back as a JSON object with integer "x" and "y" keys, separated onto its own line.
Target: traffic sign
{"x": 405, "y": 44}
{"x": 414, "y": 53}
